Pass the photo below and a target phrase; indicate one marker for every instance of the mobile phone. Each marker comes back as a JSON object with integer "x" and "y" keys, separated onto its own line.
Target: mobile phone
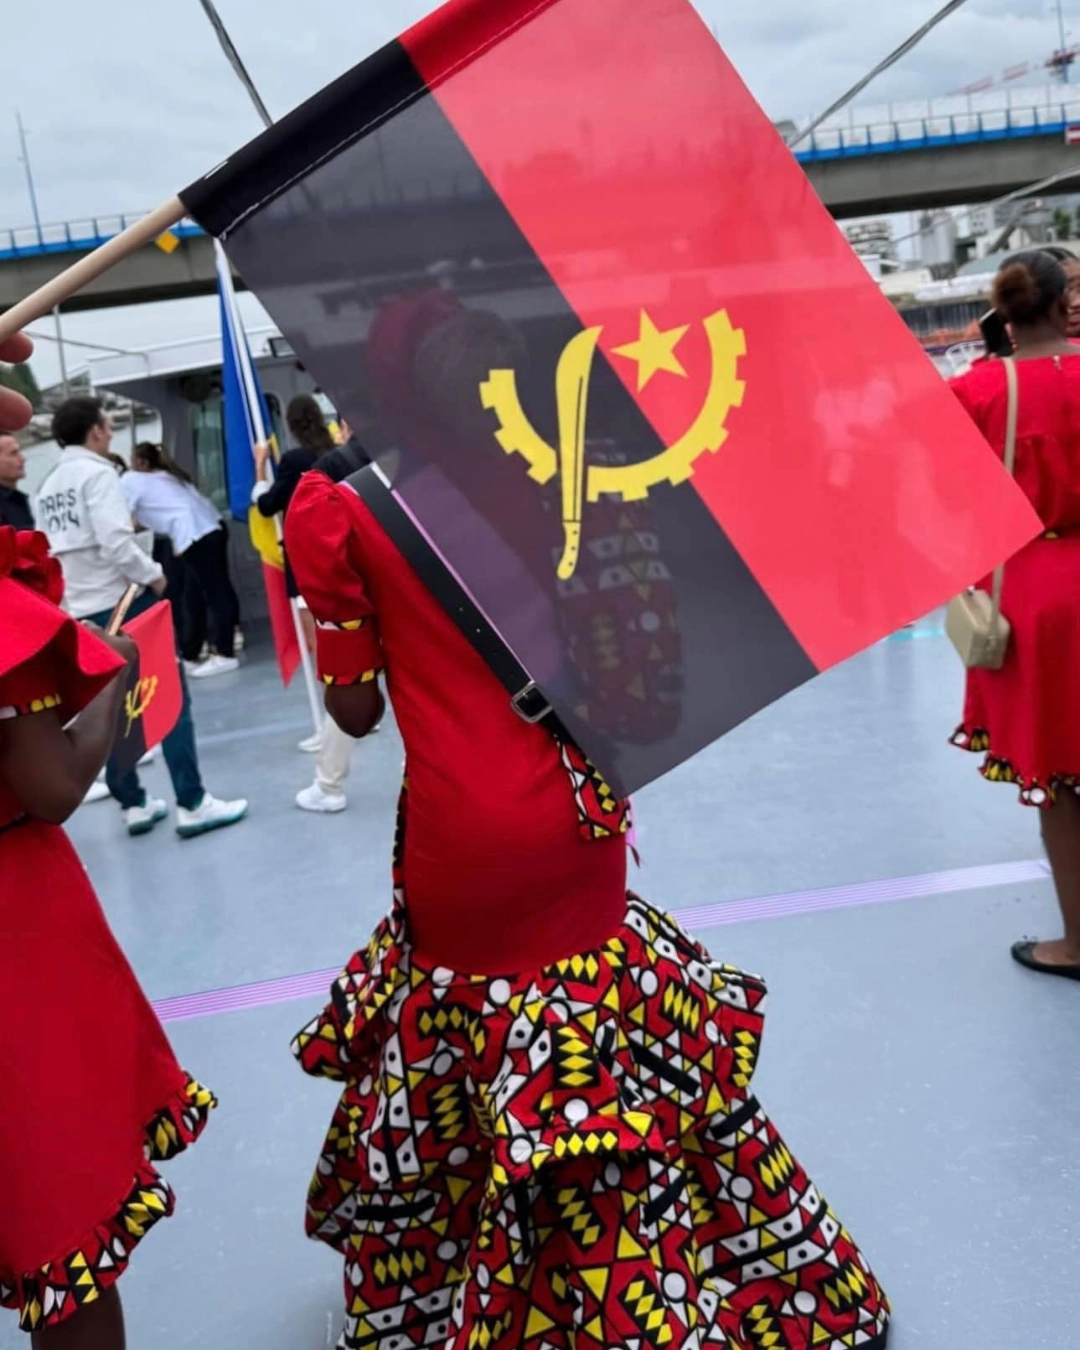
{"x": 995, "y": 334}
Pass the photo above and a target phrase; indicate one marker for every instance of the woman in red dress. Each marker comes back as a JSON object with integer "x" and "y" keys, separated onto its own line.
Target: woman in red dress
{"x": 92, "y": 1094}
{"x": 547, "y": 1136}
{"x": 1025, "y": 718}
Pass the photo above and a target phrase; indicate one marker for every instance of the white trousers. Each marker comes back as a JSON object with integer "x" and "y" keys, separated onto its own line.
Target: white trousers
{"x": 335, "y": 758}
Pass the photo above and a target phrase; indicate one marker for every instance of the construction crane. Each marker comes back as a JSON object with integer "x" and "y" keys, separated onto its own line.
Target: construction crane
{"x": 1057, "y": 63}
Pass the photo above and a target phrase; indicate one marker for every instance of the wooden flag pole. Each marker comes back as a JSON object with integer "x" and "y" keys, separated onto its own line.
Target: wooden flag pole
{"x": 46, "y": 298}
{"x": 120, "y": 613}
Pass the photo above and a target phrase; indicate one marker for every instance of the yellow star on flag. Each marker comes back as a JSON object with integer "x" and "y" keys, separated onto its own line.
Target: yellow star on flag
{"x": 654, "y": 351}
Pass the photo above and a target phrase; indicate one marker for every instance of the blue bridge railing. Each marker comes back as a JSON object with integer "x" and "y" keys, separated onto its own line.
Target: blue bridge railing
{"x": 937, "y": 130}
{"x": 73, "y": 236}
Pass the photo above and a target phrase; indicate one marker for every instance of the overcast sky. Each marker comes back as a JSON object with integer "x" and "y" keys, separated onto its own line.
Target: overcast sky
{"x": 127, "y": 101}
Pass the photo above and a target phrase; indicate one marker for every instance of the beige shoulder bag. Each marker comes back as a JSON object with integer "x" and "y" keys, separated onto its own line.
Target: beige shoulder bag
{"x": 973, "y": 621}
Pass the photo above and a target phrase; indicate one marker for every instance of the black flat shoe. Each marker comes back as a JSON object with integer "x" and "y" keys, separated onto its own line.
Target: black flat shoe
{"x": 1024, "y": 954}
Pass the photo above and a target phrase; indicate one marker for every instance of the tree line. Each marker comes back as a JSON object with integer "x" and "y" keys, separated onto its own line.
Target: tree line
{"x": 21, "y": 379}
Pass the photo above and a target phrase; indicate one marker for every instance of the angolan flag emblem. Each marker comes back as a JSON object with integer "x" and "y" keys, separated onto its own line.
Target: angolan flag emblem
{"x": 653, "y": 352}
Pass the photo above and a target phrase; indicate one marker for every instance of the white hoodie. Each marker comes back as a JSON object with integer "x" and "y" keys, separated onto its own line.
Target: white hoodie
{"x": 81, "y": 507}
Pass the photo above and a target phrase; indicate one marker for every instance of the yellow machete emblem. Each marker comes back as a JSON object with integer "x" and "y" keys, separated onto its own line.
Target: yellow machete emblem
{"x": 138, "y": 699}
{"x": 654, "y": 351}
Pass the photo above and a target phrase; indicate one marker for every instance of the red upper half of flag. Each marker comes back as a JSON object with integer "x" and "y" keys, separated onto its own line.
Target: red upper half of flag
{"x": 671, "y": 215}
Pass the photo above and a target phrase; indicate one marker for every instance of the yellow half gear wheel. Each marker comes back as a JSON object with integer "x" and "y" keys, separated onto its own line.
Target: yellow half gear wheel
{"x": 631, "y": 482}
{"x": 498, "y": 393}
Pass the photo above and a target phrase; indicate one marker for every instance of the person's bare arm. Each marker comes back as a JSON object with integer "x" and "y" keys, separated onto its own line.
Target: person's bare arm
{"x": 50, "y": 769}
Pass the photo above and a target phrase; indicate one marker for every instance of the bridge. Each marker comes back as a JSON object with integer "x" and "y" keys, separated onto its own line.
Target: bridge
{"x": 948, "y": 156}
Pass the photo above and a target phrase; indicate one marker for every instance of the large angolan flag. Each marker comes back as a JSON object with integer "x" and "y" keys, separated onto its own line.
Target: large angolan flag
{"x": 555, "y": 265}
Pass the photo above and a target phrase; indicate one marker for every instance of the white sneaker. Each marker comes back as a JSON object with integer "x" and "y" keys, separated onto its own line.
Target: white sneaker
{"x": 210, "y": 814}
{"x": 239, "y": 640}
{"x": 190, "y": 667}
{"x": 96, "y": 792}
{"x": 313, "y": 798}
{"x": 215, "y": 665}
{"x": 142, "y": 819}
{"x": 148, "y": 758}
{"x": 311, "y": 745}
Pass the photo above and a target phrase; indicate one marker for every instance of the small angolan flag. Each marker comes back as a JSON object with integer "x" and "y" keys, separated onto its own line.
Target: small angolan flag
{"x": 152, "y": 693}
{"x": 645, "y": 399}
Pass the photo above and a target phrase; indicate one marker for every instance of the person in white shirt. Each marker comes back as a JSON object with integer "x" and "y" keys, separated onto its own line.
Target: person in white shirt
{"x": 81, "y": 508}
{"x": 162, "y": 498}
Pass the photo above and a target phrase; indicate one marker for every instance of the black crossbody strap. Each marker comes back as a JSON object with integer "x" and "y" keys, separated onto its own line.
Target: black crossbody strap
{"x": 358, "y": 460}
{"x": 526, "y": 698}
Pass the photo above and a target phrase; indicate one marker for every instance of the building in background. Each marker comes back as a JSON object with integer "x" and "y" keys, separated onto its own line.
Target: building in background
{"x": 872, "y": 239}
{"x": 935, "y": 244}
{"x": 994, "y": 226}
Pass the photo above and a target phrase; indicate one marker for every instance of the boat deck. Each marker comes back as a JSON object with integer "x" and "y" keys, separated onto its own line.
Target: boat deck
{"x": 836, "y": 844}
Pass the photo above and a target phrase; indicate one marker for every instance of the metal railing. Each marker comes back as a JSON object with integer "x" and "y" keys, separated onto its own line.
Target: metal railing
{"x": 82, "y": 235}
{"x": 939, "y": 130}
{"x": 73, "y": 236}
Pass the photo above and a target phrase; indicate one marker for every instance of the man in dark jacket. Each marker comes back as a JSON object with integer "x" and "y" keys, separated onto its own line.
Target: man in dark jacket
{"x": 14, "y": 505}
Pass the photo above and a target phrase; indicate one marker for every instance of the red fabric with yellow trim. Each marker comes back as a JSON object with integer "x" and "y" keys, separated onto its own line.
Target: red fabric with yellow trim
{"x": 348, "y": 654}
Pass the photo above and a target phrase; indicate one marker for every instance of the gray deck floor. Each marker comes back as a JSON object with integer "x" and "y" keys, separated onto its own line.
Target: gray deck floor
{"x": 929, "y": 1085}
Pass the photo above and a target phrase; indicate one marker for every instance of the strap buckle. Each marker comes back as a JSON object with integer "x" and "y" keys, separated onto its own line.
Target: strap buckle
{"x": 530, "y": 704}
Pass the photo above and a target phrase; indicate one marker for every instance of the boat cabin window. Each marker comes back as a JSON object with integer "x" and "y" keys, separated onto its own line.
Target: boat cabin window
{"x": 207, "y": 421}
{"x": 208, "y": 440}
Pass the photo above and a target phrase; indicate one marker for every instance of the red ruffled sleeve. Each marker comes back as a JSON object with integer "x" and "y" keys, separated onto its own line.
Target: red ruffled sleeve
{"x": 42, "y": 649}
{"x": 322, "y": 543}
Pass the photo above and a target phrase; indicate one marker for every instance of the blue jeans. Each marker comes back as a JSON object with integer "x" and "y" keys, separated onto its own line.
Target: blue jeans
{"x": 178, "y": 746}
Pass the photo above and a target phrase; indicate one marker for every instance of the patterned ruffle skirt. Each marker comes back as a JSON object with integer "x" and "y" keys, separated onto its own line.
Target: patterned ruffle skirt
{"x": 1033, "y": 790}
{"x": 51, "y": 1294}
{"x": 570, "y": 1159}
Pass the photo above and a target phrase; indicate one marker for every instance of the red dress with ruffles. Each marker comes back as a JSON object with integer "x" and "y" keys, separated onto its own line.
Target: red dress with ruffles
{"x": 1023, "y": 718}
{"x": 547, "y": 1137}
{"x": 91, "y": 1093}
